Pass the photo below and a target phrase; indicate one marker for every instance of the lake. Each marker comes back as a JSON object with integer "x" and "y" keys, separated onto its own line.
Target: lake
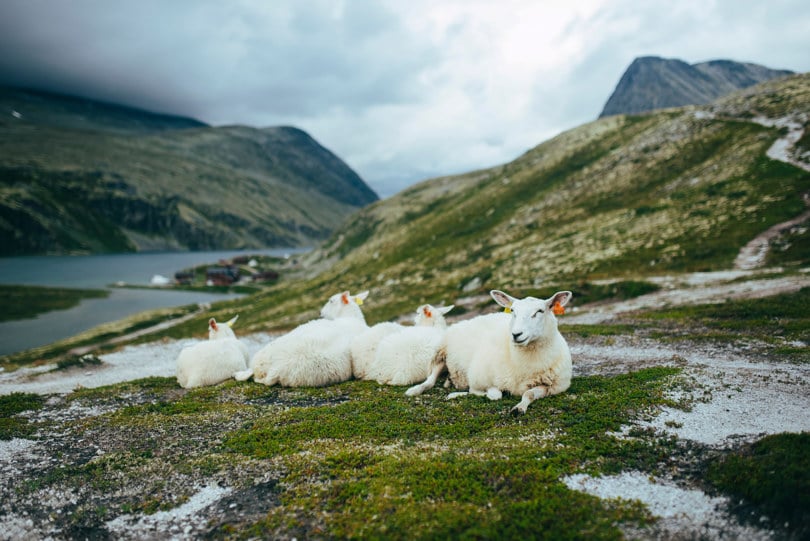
{"x": 99, "y": 272}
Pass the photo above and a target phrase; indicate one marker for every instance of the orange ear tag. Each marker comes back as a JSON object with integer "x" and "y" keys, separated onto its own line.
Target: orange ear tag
{"x": 558, "y": 309}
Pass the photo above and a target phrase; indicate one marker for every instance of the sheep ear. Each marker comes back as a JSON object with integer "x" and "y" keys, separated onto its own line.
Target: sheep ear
{"x": 212, "y": 323}
{"x": 502, "y": 298}
{"x": 232, "y": 320}
{"x": 360, "y": 297}
{"x": 446, "y": 309}
{"x": 560, "y": 298}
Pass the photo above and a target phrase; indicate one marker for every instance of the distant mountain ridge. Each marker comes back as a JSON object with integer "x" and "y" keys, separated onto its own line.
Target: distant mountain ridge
{"x": 81, "y": 176}
{"x": 651, "y": 82}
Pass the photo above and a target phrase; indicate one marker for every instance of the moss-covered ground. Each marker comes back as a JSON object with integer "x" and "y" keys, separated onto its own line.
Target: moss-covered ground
{"x": 361, "y": 460}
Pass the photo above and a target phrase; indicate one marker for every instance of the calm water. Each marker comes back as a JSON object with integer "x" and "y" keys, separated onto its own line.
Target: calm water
{"x": 98, "y": 272}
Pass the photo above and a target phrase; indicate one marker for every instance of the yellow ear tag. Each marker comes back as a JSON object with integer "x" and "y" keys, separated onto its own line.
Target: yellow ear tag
{"x": 358, "y": 300}
{"x": 558, "y": 309}
{"x": 507, "y": 310}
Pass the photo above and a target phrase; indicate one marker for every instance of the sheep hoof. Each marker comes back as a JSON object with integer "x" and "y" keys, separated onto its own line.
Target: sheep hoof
{"x": 517, "y": 411}
{"x": 416, "y": 390}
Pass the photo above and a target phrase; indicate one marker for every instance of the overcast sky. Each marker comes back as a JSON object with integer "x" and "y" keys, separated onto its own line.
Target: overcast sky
{"x": 401, "y": 90}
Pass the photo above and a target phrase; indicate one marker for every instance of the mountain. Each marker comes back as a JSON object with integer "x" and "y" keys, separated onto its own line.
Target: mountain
{"x": 620, "y": 198}
{"x": 79, "y": 176}
{"x": 656, "y": 83}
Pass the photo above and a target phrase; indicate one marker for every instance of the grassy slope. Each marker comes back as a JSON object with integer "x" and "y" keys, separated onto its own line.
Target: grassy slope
{"x": 620, "y": 197}
{"x": 83, "y": 177}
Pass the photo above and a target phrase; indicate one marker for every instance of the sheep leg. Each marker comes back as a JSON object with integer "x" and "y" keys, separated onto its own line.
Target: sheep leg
{"x": 435, "y": 370}
{"x": 243, "y": 375}
{"x": 268, "y": 379}
{"x": 493, "y": 393}
{"x": 528, "y": 397}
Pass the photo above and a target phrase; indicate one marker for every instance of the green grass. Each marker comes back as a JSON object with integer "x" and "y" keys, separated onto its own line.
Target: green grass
{"x": 363, "y": 461}
{"x": 12, "y": 426}
{"x": 791, "y": 249}
{"x": 780, "y": 317}
{"x": 771, "y": 476}
{"x": 24, "y": 302}
{"x": 371, "y": 463}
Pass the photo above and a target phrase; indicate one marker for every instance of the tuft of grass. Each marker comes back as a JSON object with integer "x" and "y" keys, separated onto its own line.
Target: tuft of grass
{"x": 772, "y": 476}
{"x": 78, "y": 361}
{"x": 12, "y": 426}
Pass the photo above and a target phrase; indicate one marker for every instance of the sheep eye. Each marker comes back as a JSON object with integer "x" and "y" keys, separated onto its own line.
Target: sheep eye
{"x": 540, "y": 311}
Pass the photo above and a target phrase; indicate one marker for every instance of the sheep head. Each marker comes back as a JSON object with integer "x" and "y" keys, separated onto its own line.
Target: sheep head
{"x": 217, "y": 331}
{"x": 431, "y": 316}
{"x": 344, "y": 305}
{"x": 533, "y": 319}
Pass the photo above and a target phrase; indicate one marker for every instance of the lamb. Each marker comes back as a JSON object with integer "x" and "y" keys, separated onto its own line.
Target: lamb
{"x": 212, "y": 361}
{"x": 404, "y": 357}
{"x": 316, "y": 353}
{"x": 522, "y": 353}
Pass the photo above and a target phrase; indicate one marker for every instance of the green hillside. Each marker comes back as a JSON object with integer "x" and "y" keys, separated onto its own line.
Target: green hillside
{"x": 79, "y": 176}
{"x": 621, "y": 197}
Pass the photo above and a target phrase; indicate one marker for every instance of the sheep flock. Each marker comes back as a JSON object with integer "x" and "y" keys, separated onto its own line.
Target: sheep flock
{"x": 519, "y": 351}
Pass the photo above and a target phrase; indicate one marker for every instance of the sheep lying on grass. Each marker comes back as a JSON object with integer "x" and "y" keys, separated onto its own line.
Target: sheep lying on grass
{"x": 364, "y": 346}
{"x": 212, "y": 361}
{"x": 522, "y": 353}
{"x": 316, "y": 353}
{"x": 404, "y": 357}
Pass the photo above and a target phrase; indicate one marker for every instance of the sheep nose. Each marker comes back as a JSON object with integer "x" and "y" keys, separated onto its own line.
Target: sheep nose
{"x": 516, "y": 336}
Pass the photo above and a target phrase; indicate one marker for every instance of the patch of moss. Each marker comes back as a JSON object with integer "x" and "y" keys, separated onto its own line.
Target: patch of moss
{"x": 792, "y": 249}
{"x": 772, "y": 476}
{"x": 12, "y": 426}
{"x": 597, "y": 330}
{"x": 382, "y": 465}
{"x": 783, "y": 316}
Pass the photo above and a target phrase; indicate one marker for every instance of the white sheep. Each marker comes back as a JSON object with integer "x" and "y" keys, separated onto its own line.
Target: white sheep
{"x": 405, "y": 357}
{"x": 364, "y": 346}
{"x": 522, "y": 353}
{"x": 316, "y": 353}
{"x": 212, "y": 361}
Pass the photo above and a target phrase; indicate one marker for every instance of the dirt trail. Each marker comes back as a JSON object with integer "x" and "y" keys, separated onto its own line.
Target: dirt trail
{"x": 753, "y": 254}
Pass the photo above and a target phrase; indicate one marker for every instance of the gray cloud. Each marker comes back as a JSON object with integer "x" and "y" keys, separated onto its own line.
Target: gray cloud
{"x": 402, "y": 91}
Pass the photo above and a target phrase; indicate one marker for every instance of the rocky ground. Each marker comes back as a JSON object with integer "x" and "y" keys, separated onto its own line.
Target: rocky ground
{"x": 742, "y": 393}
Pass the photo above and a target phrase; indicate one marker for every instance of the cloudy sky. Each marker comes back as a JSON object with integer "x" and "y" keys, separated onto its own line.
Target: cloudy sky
{"x": 402, "y": 90}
